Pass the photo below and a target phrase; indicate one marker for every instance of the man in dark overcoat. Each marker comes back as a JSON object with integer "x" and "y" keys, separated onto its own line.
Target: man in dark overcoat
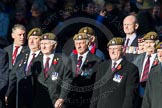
{"x": 52, "y": 75}
{"x": 84, "y": 67}
{"x": 4, "y": 73}
{"x": 20, "y": 73}
{"x": 153, "y": 95}
{"x": 116, "y": 80}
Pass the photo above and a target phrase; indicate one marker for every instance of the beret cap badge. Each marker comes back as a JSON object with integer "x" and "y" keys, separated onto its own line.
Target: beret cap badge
{"x": 152, "y": 36}
{"x": 45, "y": 37}
{"x": 35, "y": 32}
{"x": 85, "y": 31}
{"x": 113, "y": 42}
{"x": 80, "y": 37}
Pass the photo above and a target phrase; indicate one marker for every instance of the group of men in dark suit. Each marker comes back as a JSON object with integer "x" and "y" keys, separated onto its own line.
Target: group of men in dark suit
{"x": 38, "y": 77}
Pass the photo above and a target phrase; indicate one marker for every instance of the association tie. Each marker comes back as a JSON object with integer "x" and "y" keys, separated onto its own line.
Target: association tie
{"x": 127, "y": 42}
{"x": 29, "y": 65}
{"x": 15, "y": 54}
{"x": 79, "y": 62}
{"x": 146, "y": 69}
{"x": 46, "y": 68}
{"x": 113, "y": 68}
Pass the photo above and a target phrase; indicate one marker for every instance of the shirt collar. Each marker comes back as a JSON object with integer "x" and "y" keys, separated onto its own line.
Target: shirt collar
{"x": 50, "y": 56}
{"x": 132, "y": 37}
{"x": 118, "y": 61}
{"x": 84, "y": 55}
{"x": 36, "y": 53}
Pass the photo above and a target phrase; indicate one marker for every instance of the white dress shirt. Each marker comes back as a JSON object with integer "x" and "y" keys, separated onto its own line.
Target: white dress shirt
{"x": 45, "y": 58}
{"x": 151, "y": 62}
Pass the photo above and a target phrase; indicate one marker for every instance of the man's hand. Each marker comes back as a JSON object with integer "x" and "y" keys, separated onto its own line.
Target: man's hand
{"x": 59, "y": 103}
{"x": 103, "y": 13}
{"x": 6, "y": 100}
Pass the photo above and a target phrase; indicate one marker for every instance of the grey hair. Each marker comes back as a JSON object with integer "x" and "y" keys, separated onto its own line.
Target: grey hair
{"x": 18, "y": 26}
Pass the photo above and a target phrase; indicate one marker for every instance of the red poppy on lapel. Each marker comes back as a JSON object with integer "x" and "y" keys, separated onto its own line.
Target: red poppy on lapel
{"x": 55, "y": 61}
{"x": 93, "y": 48}
{"x": 119, "y": 67}
{"x": 155, "y": 61}
{"x": 75, "y": 51}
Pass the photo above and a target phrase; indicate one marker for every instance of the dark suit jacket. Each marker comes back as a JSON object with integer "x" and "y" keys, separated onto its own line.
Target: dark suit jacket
{"x": 130, "y": 56}
{"x": 3, "y": 75}
{"x": 12, "y": 97}
{"x": 153, "y": 95}
{"x": 115, "y": 89}
{"x": 9, "y": 50}
{"x": 135, "y": 42}
{"x": 21, "y": 81}
{"x": 84, "y": 80}
{"x": 48, "y": 90}
{"x": 138, "y": 61}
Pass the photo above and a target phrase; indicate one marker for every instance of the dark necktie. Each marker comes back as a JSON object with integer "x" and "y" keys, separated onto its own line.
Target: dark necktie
{"x": 46, "y": 68}
{"x": 113, "y": 68}
{"x": 146, "y": 69}
{"x": 79, "y": 62}
{"x": 127, "y": 42}
{"x": 15, "y": 54}
{"x": 29, "y": 65}
{"x": 126, "y": 45}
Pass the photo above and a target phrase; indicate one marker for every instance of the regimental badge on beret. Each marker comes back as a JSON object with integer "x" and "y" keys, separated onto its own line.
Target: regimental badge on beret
{"x": 45, "y": 37}
{"x": 113, "y": 42}
{"x": 35, "y": 32}
{"x": 152, "y": 36}
{"x": 85, "y": 31}
{"x": 79, "y": 37}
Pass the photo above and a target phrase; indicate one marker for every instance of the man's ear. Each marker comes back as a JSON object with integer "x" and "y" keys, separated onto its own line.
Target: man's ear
{"x": 93, "y": 38}
{"x": 55, "y": 45}
{"x": 136, "y": 26}
{"x": 13, "y": 36}
{"x": 123, "y": 49}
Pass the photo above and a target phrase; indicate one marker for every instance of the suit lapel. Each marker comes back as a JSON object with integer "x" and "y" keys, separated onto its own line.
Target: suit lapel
{"x": 109, "y": 73}
{"x": 155, "y": 62}
{"x": 135, "y": 42}
{"x": 159, "y": 70}
{"x": 141, "y": 60}
{"x": 74, "y": 63}
{"x": 10, "y": 56}
{"x": 41, "y": 75}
